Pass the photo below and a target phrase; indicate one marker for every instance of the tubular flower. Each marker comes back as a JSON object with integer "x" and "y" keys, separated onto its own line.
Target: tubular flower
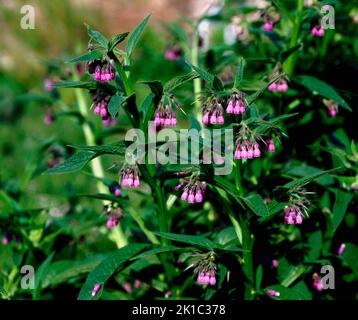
{"x": 213, "y": 111}
{"x": 205, "y": 268}
{"x": 193, "y": 190}
{"x": 129, "y": 176}
{"x": 165, "y": 115}
{"x": 236, "y": 103}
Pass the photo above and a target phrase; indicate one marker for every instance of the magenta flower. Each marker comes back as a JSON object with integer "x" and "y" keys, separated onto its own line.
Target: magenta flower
{"x": 273, "y": 293}
{"x": 341, "y": 249}
{"x": 236, "y": 103}
{"x": 96, "y": 289}
{"x": 194, "y": 190}
{"x": 317, "y": 31}
{"x": 173, "y": 54}
{"x": 130, "y": 177}
{"x": 213, "y": 111}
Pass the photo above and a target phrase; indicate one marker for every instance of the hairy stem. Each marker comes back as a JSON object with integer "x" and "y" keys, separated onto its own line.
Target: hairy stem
{"x": 197, "y": 81}
{"x": 96, "y": 165}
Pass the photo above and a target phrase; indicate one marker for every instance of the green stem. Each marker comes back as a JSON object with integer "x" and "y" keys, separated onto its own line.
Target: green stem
{"x": 195, "y": 62}
{"x": 290, "y": 63}
{"x": 96, "y": 164}
{"x": 248, "y": 268}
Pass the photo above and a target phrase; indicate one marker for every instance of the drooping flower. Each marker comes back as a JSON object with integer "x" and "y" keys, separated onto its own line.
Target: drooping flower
{"x": 247, "y": 149}
{"x": 109, "y": 122}
{"x": 101, "y": 100}
{"x": 270, "y": 18}
{"x": 205, "y": 268}
{"x": 270, "y": 145}
{"x": 236, "y": 103}
{"x": 317, "y": 31}
{"x": 193, "y": 190}
{"x": 173, "y": 53}
{"x": 137, "y": 284}
{"x": 48, "y": 84}
{"x": 298, "y": 206}
{"x": 332, "y": 107}
{"x": 213, "y": 111}
{"x": 96, "y": 289}
{"x": 165, "y": 115}
{"x": 280, "y": 83}
{"x": 274, "y": 263}
{"x": 129, "y": 176}
{"x": 5, "y": 240}
{"x": 114, "y": 214}
{"x": 273, "y": 293}
{"x": 341, "y": 249}
{"x": 317, "y": 282}
{"x": 49, "y": 117}
{"x": 102, "y": 70}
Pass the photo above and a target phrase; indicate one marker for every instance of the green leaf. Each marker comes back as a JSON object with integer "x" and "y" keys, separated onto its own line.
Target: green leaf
{"x": 198, "y": 241}
{"x": 156, "y": 87}
{"x": 40, "y": 273}
{"x": 323, "y": 88}
{"x": 113, "y": 263}
{"x": 297, "y": 292}
{"x": 97, "y": 36}
{"x": 73, "y": 164}
{"x": 179, "y": 80}
{"x": 116, "y": 40}
{"x": 305, "y": 180}
{"x": 256, "y": 204}
{"x": 76, "y": 84}
{"x": 239, "y": 72}
{"x": 315, "y": 241}
{"x": 350, "y": 257}
{"x": 202, "y": 73}
{"x": 114, "y": 105}
{"x": 62, "y": 271}
{"x": 305, "y": 170}
{"x": 259, "y": 277}
{"x": 135, "y": 35}
{"x": 160, "y": 250}
{"x": 340, "y": 208}
{"x": 92, "y": 55}
{"x": 217, "y": 84}
{"x": 114, "y": 148}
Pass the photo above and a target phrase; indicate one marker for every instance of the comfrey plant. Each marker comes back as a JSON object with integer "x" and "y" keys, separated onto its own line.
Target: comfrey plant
{"x": 167, "y": 214}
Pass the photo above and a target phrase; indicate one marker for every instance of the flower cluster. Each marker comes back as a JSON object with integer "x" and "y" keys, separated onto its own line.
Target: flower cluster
{"x": 236, "y": 103}
{"x": 129, "y": 176}
{"x": 247, "y": 149}
{"x": 317, "y": 282}
{"x": 165, "y": 115}
{"x": 102, "y": 71}
{"x": 173, "y": 53}
{"x": 270, "y": 17}
{"x": 317, "y": 31}
{"x": 100, "y": 103}
{"x": 193, "y": 191}
{"x": 205, "y": 268}
{"x": 213, "y": 111}
{"x": 297, "y": 208}
{"x": 293, "y": 215}
{"x": 114, "y": 215}
{"x": 332, "y": 107}
{"x": 281, "y": 83}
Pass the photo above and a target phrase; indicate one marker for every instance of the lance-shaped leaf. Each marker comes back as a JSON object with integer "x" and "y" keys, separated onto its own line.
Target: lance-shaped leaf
{"x": 324, "y": 89}
{"x": 256, "y": 204}
{"x": 340, "y": 208}
{"x": 135, "y": 35}
{"x": 116, "y": 40}
{"x": 179, "y": 80}
{"x": 114, "y": 105}
{"x": 97, "y": 36}
{"x": 239, "y": 72}
{"x": 74, "y": 163}
{"x": 76, "y": 84}
{"x": 117, "y": 148}
{"x": 92, "y": 55}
